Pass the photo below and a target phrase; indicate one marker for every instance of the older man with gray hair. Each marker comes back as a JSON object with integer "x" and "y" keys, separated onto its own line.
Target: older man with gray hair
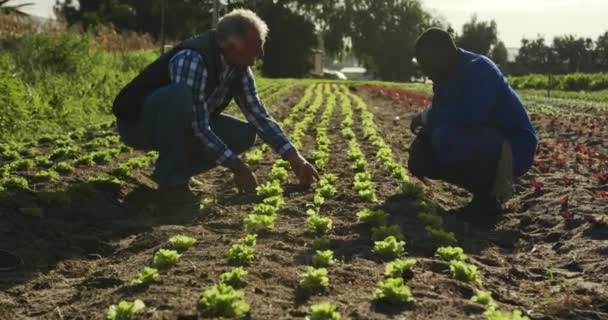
{"x": 175, "y": 106}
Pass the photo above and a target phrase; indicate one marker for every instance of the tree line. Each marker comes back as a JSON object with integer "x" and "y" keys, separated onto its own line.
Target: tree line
{"x": 380, "y": 34}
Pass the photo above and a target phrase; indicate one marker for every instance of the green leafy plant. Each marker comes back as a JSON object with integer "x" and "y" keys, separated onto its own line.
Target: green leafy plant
{"x": 249, "y": 240}
{"x": 314, "y": 279}
{"x": 398, "y": 267}
{"x": 389, "y": 248}
{"x": 451, "y": 253}
{"x": 23, "y": 164}
{"x": 393, "y": 290}
{"x": 275, "y": 201}
{"x": 381, "y": 232}
{"x": 106, "y": 181}
{"x": 464, "y": 272}
{"x": 433, "y": 220}
{"x": 259, "y": 222}
{"x": 146, "y": 276}
{"x": 319, "y": 225}
{"x": 324, "y": 311}
{"x": 441, "y": 236}
{"x": 269, "y": 189}
{"x": 223, "y": 300}
{"x": 43, "y": 161}
{"x": 323, "y": 258}
{"x": 264, "y": 209}
{"x": 15, "y": 183}
{"x": 45, "y": 175}
{"x": 165, "y": 258}
{"x": 373, "y": 218}
{"x": 9, "y": 155}
{"x": 500, "y": 315}
{"x": 208, "y": 203}
{"x": 125, "y": 310}
{"x": 86, "y": 160}
{"x": 240, "y": 254}
{"x": 327, "y": 191}
{"x": 254, "y": 156}
{"x": 64, "y": 167}
{"x": 181, "y": 242}
{"x": 318, "y": 200}
{"x": 279, "y": 174}
{"x": 320, "y": 243}
{"x": 233, "y": 277}
{"x": 484, "y": 298}
{"x": 360, "y": 165}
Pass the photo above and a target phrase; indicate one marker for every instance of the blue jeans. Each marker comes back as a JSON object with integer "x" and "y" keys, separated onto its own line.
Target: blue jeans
{"x": 466, "y": 157}
{"x": 166, "y": 126}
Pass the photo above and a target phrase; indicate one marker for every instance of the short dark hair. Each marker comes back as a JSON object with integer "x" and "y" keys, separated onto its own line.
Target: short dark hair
{"x": 435, "y": 38}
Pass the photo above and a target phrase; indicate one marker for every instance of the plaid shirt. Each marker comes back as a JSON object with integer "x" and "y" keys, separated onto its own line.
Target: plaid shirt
{"x": 187, "y": 67}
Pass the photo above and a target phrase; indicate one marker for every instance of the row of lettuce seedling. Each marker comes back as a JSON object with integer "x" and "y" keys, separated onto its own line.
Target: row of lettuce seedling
{"x": 388, "y": 240}
{"x": 392, "y": 287}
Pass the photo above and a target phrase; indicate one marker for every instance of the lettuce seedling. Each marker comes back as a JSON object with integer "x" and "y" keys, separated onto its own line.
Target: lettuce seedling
{"x": 86, "y": 160}
{"x": 484, "y": 298}
{"x": 258, "y": 222}
{"x": 441, "y": 236}
{"x": 208, "y": 203}
{"x": 433, "y": 220}
{"x": 412, "y": 190}
{"x": 464, "y": 272}
{"x": 125, "y": 310}
{"x": 282, "y": 164}
{"x": 381, "y": 232}
{"x": 181, "y": 242}
{"x": 223, "y": 300}
{"x": 319, "y": 225}
{"x": 318, "y": 200}
{"x": 314, "y": 279}
{"x": 398, "y": 267}
{"x": 15, "y": 183}
{"x": 500, "y": 315}
{"x": 9, "y": 155}
{"x": 254, "y": 156}
{"x": 275, "y": 201}
{"x": 373, "y": 218}
{"x": 264, "y": 210}
{"x": 323, "y": 258}
{"x": 320, "y": 243}
{"x": 279, "y": 174}
{"x": 146, "y": 276}
{"x": 234, "y": 277}
{"x": 327, "y": 191}
{"x": 389, "y": 248}
{"x": 165, "y": 258}
{"x": 64, "y": 168}
{"x": 369, "y": 195}
{"x": 451, "y": 253}
{"x": 393, "y": 290}
{"x": 240, "y": 254}
{"x": 360, "y": 165}
{"x": 249, "y": 240}
{"x": 269, "y": 189}
{"x": 23, "y": 164}
{"x": 328, "y": 178}
{"x": 324, "y": 311}
{"x": 45, "y": 175}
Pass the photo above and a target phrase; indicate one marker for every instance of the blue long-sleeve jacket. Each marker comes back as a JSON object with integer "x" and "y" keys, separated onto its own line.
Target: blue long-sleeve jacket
{"x": 479, "y": 95}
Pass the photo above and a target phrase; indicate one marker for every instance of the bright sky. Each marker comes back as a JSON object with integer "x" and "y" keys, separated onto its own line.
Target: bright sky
{"x": 515, "y": 18}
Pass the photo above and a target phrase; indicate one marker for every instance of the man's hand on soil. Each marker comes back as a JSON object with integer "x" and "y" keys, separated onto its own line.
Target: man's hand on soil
{"x": 305, "y": 171}
{"x": 244, "y": 178}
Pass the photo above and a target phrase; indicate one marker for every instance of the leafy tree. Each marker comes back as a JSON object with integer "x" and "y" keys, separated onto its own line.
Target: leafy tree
{"x": 535, "y": 56}
{"x": 601, "y": 52}
{"x": 499, "y": 54}
{"x": 13, "y": 9}
{"x": 573, "y": 52}
{"x": 478, "y": 36}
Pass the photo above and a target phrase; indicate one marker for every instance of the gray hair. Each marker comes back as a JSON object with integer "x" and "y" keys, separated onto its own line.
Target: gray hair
{"x": 233, "y": 26}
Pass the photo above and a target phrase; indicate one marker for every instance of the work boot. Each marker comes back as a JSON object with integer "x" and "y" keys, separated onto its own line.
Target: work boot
{"x": 483, "y": 209}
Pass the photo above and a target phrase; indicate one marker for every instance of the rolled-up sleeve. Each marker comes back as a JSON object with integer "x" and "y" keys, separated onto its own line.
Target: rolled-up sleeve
{"x": 257, "y": 114}
{"x": 188, "y": 67}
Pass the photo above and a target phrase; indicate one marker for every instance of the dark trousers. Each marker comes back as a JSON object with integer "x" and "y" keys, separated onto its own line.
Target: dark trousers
{"x": 466, "y": 157}
{"x": 166, "y": 126}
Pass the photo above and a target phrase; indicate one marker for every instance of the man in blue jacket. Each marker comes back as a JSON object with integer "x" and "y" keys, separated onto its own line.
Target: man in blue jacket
{"x": 475, "y": 126}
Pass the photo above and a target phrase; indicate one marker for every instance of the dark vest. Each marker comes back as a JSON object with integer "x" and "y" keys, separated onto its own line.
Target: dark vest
{"x": 129, "y": 102}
